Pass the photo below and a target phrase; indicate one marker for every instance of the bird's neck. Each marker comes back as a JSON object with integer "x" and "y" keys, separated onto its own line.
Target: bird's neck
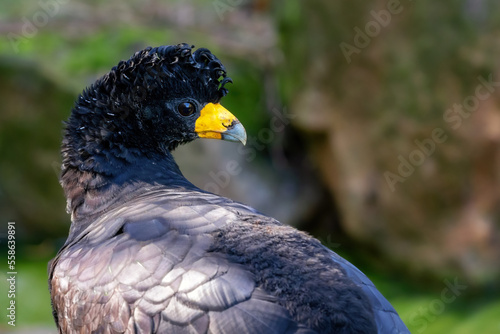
{"x": 110, "y": 180}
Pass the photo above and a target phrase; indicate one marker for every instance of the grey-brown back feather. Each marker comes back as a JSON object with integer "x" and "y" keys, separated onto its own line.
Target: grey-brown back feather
{"x": 169, "y": 261}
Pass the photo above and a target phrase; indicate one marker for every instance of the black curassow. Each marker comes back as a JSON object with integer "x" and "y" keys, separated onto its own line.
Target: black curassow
{"x": 149, "y": 252}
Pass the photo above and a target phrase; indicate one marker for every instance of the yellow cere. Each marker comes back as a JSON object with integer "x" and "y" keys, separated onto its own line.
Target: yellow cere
{"x": 213, "y": 121}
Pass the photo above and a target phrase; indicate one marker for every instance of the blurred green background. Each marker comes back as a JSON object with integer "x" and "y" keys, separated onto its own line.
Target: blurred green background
{"x": 373, "y": 125}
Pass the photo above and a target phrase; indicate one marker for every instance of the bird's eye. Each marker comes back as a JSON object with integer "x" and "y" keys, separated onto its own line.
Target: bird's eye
{"x": 186, "y": 109}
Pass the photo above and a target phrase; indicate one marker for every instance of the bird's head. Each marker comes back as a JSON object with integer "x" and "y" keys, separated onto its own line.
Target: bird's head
{"x": 161, "y": 97}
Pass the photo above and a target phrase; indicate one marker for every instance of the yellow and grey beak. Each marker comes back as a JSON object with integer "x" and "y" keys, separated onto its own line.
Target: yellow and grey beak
{"x": 217, "y": 122}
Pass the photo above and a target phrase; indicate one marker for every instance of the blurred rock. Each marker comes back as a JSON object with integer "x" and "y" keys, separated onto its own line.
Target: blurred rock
{"x": 417, "y": 182}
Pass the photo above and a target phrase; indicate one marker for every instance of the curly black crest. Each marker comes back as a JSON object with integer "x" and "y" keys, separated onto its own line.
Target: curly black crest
{"x": 163, "y": 72}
